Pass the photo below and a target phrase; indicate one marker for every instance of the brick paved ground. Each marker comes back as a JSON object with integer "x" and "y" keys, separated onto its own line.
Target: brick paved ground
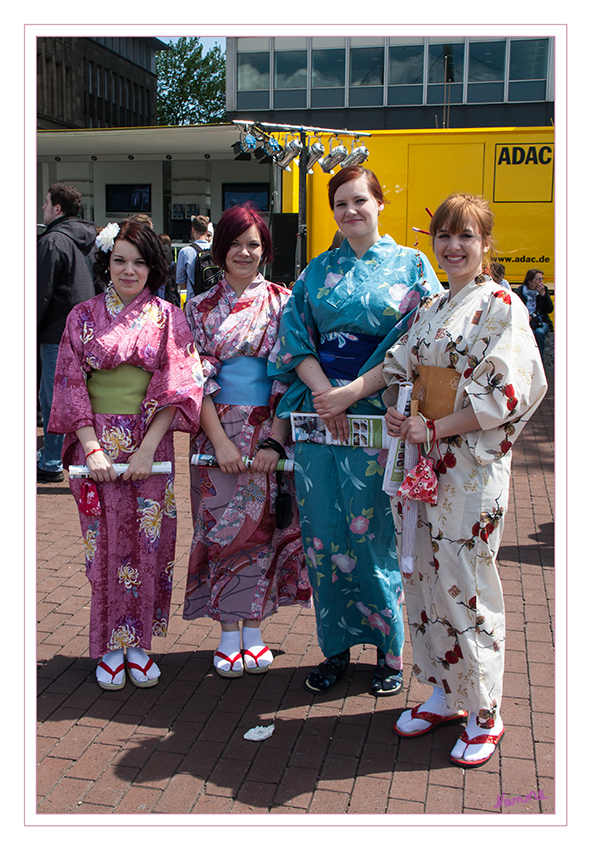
{"x": 179, "y": 748}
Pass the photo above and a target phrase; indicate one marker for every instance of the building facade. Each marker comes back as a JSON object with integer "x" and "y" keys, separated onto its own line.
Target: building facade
{"x": 96, "y": 82}
{"x": 371, "y": 83}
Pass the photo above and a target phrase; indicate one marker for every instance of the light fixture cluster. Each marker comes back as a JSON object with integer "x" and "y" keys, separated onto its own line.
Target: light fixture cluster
{"x": 266, "y": 149}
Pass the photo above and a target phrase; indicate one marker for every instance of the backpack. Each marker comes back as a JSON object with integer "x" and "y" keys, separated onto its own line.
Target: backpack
{"x": 206, "y": 273}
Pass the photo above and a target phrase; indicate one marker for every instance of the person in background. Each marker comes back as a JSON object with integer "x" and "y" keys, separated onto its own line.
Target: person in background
{"x": 185, "y": 261}
{"x": 497, "y": 272}
{"x": 472, "y": 345}
{"x": 539, "y": 305}
{"x": 127, "y": 377}
{"x": 348, "y": 307}
{"x": 246, "y": 560}
{"x": 64, "y": 279}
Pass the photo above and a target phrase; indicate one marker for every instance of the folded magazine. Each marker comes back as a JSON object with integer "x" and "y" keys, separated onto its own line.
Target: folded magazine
{"x": 367, "y": 432}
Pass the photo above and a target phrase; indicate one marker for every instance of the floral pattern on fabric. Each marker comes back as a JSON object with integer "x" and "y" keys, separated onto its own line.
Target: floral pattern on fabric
{"x": 129, "y": 549}
{"x": 344, "y": 513}
{"x": 454, "y": 598}
{"x": 241, "y": 566}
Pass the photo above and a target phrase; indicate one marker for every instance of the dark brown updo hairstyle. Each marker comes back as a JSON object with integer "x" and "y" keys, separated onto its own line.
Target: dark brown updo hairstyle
{"x": 234, "y": 222}
{"x": 352, "y": 173}
{"x": 142, "y": 237}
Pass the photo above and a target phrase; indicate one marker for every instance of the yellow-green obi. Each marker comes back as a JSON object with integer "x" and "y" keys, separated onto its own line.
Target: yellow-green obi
{"x": 118, "y": 391}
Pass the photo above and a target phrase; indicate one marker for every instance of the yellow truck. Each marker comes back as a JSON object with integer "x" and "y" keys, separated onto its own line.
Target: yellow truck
{"x": 512, "y": 167}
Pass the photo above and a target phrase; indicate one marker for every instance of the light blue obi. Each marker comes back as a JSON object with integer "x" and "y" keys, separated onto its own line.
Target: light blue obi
{"x": 243, "y": 380}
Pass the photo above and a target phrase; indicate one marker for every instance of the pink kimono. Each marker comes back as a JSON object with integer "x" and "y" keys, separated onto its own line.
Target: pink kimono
{"x": 129, "y": 547}
{"x": 241, "y": 566}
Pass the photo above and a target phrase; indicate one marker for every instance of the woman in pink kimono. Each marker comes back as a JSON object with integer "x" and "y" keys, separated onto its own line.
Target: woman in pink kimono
{"x": 472, "y": 346}
{"x": 245, "y": 561}
{"x": 127, "y": 377}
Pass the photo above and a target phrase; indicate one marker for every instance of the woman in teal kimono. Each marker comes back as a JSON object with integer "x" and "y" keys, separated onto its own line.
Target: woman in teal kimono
{"x": 347, "y": 308}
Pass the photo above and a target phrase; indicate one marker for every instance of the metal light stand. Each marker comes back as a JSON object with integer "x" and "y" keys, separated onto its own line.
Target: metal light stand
{"x": 302, "y": 243}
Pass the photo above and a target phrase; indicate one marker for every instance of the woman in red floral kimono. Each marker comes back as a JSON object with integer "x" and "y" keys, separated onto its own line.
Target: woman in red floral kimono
{"x": 244, "y": 564}
{"x": 127, "y": 377}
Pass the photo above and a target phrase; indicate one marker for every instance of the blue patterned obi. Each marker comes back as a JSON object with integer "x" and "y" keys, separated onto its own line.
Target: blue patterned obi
{"x": 243, "y": 380}
{"x": 342, "y": 355}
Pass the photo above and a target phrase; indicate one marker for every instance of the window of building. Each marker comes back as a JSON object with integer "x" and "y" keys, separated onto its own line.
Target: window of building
{"x": 366, "y": 73}
{"x": 486, "y": 71}
{"x": 328, "y": 72}
{"x": 405, "y": 74}
{"x": 445, "y": 71}
{"x": 528, "y": 69}
{"x": 290, "y": 79}
{"x": 253, "y": 81}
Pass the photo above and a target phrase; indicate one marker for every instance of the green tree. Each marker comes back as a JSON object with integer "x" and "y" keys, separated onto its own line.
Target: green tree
{"x": 191, "y": 83}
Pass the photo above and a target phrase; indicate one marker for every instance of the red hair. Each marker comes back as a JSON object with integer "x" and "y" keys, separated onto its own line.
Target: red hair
{"x": 353, "y": 172}
{"x": 234, "y": 222}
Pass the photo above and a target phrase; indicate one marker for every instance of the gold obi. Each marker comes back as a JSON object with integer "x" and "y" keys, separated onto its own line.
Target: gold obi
{"x": 435, "y": 388}
{"x": 118, "y": 391}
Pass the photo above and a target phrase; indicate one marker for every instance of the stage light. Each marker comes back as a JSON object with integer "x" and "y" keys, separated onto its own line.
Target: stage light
{"x": 356, "y": 157}
{"x": 314, "y": 152}
{"x": 336, "y": 155}
{"x": 292, "y": 149}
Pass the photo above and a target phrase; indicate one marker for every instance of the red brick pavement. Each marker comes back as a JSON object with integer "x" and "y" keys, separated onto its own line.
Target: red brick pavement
{"x": 179, "y": 748}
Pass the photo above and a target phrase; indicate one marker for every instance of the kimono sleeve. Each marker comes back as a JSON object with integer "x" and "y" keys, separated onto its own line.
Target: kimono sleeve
{"x": 178, "y": 380}
{"x": 506, "y": 380}
{"x": 210, "y": 364}
{"x": 298, "y": 334}
{"x": 71, "y": 407}
{"x": 397, "y": 367}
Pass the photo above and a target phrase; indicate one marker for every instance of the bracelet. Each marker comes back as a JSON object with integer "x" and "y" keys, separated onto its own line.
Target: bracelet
{"x": 272, "y": 434}
{"x": 431, "y": 425}
{"x": 270, "y": 443}
{"x": 428, "y": 426}
{"x": 92, "y": 452}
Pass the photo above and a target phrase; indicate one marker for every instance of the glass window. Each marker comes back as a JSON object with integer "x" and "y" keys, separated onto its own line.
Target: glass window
{"x": 406, "y": 64}
{"x": 325, "y": 98}
{"x": 446, "y": 63}
{"x": 486, "y": 92}
{"x": 367, "y": 66}
{"x": 252, "y": 99}
{"x": 328, "y": 68}
{"x": 405, "y": 95}
{"x": 531, "y": 90}
{"x": 529, "y": 59}
{"x": 366, "y": 96}
{"x": 253, "y": 71}
{"x": 291, "y": 69}
{"x": 451, "y": 93}
{"x": 487, "y": 61}
{"x": 290, "y": 99}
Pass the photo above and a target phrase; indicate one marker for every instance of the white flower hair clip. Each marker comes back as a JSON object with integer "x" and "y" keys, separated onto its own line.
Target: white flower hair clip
{"x": 106, "y": 238}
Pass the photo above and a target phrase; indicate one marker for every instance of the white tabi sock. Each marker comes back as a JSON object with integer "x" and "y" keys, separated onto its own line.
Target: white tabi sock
{"x": 434, "y": 705}
{"x": 252, "y": 641}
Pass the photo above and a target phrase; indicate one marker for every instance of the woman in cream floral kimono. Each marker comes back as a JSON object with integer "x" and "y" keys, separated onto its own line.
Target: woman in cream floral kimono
{"x": 453, "y": 596}
{"x": 127, "y": 376}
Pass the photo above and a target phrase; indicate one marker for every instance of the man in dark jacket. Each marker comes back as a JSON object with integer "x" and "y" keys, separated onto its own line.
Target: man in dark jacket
{"x": 64, "y": 279}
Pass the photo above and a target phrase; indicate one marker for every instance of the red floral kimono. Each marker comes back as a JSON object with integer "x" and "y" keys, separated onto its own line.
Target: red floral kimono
{"x": 129, "y": 547}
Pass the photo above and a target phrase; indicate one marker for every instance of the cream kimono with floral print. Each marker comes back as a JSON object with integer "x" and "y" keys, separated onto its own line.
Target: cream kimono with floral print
{"x": 129, "y": 548}
{"x": 454, "y": 598}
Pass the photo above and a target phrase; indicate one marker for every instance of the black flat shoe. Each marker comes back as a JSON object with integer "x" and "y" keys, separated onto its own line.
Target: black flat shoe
{"x": 323, "y": 677}
{"x": 44, "y": 477}
{"x": 386, "y": 681}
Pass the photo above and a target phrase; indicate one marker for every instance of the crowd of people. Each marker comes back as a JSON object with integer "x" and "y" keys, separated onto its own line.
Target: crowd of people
{"x": 123, "y": 368}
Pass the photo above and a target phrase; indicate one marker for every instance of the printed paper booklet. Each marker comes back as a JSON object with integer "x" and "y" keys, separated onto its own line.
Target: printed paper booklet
{"x": 364, "y": 431}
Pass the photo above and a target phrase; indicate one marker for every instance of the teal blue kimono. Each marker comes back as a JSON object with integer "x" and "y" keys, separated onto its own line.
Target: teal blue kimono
{"x": 348, "y": 312}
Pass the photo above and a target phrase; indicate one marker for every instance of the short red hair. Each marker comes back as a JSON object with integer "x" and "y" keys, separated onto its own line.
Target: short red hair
{"x": 234, "y": 222}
